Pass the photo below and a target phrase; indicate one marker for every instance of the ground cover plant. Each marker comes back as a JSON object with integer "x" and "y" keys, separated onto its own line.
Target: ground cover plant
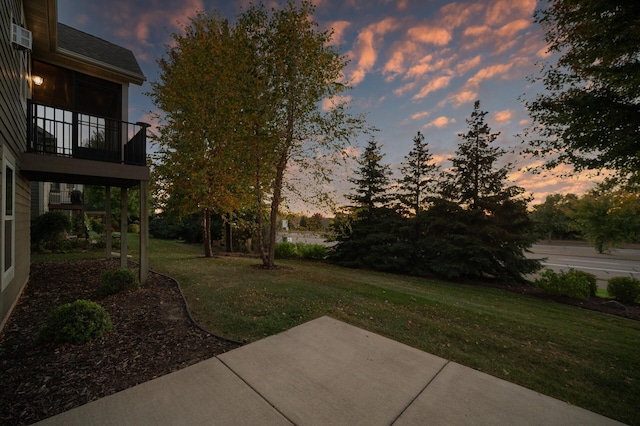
{"x": 583, "y": 357}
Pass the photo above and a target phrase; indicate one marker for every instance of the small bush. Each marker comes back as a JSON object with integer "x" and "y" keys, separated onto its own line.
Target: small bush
{"x": 117, "y": 281}
{"x": 134, "y": 228}
{"x": 591, "y": 279}
{"x": 286, "y": 250}
{"x": 572, "y": 284}
{"x": 77, "y": 322}
{"x": 624, "y": 289}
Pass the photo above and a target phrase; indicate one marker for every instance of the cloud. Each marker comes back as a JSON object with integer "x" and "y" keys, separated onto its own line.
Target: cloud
{"x": 500, "y": 11}
{"x": 331, "y": 103}
{"x": 339, "y": 28}
{"x": 461, "y": 97}
{"x": 503, "y": 116}
{"x": 429, "y": 35}
{"x": 433, "y": 85}
{"x": 455, "y": 14}
{"x": 440, "y": 122}
{"x": 364, "y": 51}
{"x": 489, "y": 73}
{"x": 467, "y": 65}
{"x": 419, "y": 115}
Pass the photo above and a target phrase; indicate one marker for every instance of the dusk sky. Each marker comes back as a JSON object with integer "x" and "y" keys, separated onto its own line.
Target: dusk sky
{"x": 416, "y": 65}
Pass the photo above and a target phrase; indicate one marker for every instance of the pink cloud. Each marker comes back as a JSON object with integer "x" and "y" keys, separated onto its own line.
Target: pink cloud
{"x": 433, "y": 85}
{"x": 330, "y": 103}
{"x": 440, "y": 122}
{"x": 364, "y": 50}
{"x": 420, "y": 115}
{"x": 500, "y": 11}
{"x": 430, "y": 35}
{"x": 339, "y": 28}
{"x": 463, "y": 97}
{"x": 455, "y": 15}
{"x": 503, "y": 116}
{"x": 467, "y": 65}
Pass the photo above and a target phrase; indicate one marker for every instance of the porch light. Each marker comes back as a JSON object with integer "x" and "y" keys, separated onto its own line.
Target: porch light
{"x": 38, "y": 80}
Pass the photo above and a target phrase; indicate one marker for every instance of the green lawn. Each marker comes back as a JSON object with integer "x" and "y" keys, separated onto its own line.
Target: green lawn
{"x": 585, "y": 358}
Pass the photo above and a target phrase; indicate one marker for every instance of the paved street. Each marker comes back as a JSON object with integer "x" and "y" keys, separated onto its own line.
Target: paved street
{"x": 619, "y": 262}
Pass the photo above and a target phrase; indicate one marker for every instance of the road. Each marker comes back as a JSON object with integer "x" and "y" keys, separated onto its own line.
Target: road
{"x": 619, "y": 262}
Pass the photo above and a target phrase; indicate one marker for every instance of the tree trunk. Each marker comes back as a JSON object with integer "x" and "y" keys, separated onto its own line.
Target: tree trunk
{"x": 275, "y": 204}
{"x": 206, "y": 232}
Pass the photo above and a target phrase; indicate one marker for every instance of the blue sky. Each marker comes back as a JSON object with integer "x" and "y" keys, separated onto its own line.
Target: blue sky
{"x": 415, "y": 65}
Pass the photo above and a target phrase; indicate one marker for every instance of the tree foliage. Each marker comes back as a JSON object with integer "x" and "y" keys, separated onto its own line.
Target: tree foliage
{"x": 606, "y": 218}
{"x": 242, "y": 103}
{"x": 588, "y": 114}
{"x": 478, "y": 228}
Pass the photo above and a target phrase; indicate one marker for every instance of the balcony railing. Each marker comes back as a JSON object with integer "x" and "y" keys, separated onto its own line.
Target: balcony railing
{"x": 59, "y": 132}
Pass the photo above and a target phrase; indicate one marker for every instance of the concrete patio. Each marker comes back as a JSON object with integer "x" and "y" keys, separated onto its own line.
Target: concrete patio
{"x": 326, "y": 372}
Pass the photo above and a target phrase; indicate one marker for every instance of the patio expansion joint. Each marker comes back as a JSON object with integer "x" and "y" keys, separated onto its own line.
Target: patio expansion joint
{"x": 420, "y": 393}
{"x": 255, "y": 390}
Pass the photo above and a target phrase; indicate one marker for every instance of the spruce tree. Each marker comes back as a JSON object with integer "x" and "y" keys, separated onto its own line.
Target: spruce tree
{"x": 418, "y": 177}
{"x": 372, "y": 180}
{"x": 366, "y": 231}
{"x": 492, "y": 224}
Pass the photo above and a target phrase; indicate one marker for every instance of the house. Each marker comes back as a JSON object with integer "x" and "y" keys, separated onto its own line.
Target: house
{"x": 63, "y": 119}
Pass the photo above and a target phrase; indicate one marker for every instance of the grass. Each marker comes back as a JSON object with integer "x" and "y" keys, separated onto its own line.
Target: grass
{"x": 585, "y": 358}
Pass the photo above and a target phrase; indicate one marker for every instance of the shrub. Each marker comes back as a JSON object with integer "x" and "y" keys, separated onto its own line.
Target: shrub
{"x": 571, "y": 284}
{"x": 591, "y": 279}
{"x": 134, "y": 228}
{"x": 311, "y": 251}
{"x": 117, "y": 281}
{"x": 624, "y": 289}
{"x": 286, "y": 250}
{"x": 48, "y": 228}
{"x": 77, "y": 322}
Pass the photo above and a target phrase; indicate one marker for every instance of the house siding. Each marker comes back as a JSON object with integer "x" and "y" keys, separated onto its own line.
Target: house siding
{"x": 13, "y": 94}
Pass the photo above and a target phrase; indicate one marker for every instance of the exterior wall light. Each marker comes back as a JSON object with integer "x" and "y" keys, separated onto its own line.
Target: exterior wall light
{"x": 38, "y": 80}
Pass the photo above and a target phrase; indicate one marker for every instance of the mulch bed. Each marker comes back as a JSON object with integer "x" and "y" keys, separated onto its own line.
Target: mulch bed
{"x": 152, "y": 336}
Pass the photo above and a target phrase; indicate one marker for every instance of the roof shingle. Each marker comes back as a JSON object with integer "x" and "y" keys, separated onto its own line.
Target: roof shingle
{"x": 98, "y": 49}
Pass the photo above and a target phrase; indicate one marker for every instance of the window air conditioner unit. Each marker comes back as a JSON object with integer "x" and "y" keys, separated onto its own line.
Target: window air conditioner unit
{"x": 20, "y": 37}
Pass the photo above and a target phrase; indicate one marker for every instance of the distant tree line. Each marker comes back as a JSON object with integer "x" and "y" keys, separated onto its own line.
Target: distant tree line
{"x": 606, "y": 216}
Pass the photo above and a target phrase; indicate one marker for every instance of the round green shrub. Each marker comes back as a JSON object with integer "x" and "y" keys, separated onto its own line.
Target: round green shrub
{"x": 286, "y": 250}
{"x": 624, "y": 289}
{"x": 571, "y": 284}
{"x": 77, "y": 322}
{"x": 591, "y": 279}
{"x": 117, "y": 281}
{"x": 134, "y": 228}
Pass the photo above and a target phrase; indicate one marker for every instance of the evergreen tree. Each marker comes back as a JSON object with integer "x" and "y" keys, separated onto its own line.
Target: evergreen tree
{"x": 493, "y": 228}
{"x": 366, "y": 232}
{"x": 372, "y": 180}
{"x": 474, "y": 179}
{"x": 418, "y": 177}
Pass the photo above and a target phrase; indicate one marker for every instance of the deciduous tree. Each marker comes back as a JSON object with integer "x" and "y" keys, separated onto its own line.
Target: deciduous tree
{"x": 588, "y": 114}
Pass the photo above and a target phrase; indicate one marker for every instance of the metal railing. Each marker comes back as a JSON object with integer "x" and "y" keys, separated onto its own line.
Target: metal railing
{"x": 55, "y": 131}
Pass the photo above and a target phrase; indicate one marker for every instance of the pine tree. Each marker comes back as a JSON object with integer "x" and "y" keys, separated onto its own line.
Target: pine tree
{"x": 474, "y": 177}
{"x": 372, "y": 181}
{"x": 418, "y": 177}
{"x": 490, "y": 227}
{"x": 366, "y": 231}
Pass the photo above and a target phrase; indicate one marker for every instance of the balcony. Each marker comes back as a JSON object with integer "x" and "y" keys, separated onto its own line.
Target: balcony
{"x": 74, "y": 147}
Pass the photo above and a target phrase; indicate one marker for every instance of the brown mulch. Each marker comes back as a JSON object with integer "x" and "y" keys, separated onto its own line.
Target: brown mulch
{"x": 152, "y": 336}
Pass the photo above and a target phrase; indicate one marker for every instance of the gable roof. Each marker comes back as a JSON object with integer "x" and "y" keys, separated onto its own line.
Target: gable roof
{"x": 100, "y": 50}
